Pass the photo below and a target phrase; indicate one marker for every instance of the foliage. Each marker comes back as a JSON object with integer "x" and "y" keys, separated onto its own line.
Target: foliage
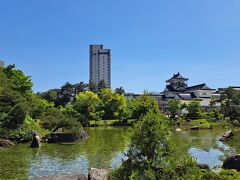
{"x": 114, "y": 104}
{"x": 174, "y": 107}
{"x": 13, "y": 106}
{"x": 89, "y": 104}
{"x": 53, "y": 119}
{"x": 101, "y": 85}
{"x": 148, "y": 146}
{"x": 23, "y": 133}
{"x": 230, "y": 104}
{"x": 152, "y": 155}
{"x": 229, "y": 175}
{"x": 71, "y": 112}
{"x": 19, "y": 82}
{"x": 51, "y": 96}
{"x": 194, "y": 108}
{"x": 91, "y": 86}
{"x": 65, "y": 95}
{"x": 38, "y": 106}
{"x": 143, "y": 104}
{"x": 120, "y": 90}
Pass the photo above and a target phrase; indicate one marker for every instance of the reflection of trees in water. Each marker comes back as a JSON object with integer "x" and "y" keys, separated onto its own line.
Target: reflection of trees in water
{"x": 235, "y": 142}
{"x": 202, "y": 139}
{"x": 107, "y": 142}
{"x": 15, "y": 162}
{"x": 100, "y": 148}
{"x": 207, "y": 140}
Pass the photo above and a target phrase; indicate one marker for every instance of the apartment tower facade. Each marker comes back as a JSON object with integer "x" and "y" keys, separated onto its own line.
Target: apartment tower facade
{"x": 100, "y": 65}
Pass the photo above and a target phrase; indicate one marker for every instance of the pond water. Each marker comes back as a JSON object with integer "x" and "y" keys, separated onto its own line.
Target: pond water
{"x": 205, "y": 147}
{"x": 104, "y": 149}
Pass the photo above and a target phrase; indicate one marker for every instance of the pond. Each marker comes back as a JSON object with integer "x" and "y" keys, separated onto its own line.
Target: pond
{"x": 104, "y": 149}
{"x": 205, "y": 147}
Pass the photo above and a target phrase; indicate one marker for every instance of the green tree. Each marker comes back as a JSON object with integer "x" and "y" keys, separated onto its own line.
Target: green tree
{"x": 66, "y": 94}
{"x": 194, "y": 108}
{"x": 80, "y": 87}
{"x": 149, "y": 143}
{"x": 143, "y": 104}
{"x": 230, "y": 104}
{"x": 114, "y": 104}
{"x": 120, "y": 90}
{"x": 53, "y": 119}
{"x": 89, "y": 104}
{"x": 20, "y": 82}
{"x": 39, "y": 106}
{"x": 71, "y": 112}
{"x": 51, "y": 96}
{"x": 13, "y": 107}
{"x": 174, "y": 107}
{"x": 92, "y": 86}
{"x": 101, "y": 85}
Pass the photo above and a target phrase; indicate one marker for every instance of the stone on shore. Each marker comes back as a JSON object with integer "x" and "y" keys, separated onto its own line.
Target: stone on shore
{"x": 98, "y": 174}
{"x": 194, "y": 128}
{"x": 5, "y": 143}
{"x": 72, "y": 176}
{"x": 203, "y": 166}
{"x": 227, "y": 136}
{"x": 178, "y": 130}
{"x": 232, "y": 162}
{"x": 36, "y": 141}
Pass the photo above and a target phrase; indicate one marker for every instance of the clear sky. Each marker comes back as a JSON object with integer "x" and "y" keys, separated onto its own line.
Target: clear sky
{"x": 150, "y": 40}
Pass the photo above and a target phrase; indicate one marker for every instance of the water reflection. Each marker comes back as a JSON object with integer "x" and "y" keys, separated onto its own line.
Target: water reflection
{"x": 104, "y": 149}
{"x": 205, "y": 147}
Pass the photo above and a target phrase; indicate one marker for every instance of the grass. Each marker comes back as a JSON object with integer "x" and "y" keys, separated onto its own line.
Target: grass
{"x": 204, "y": 124}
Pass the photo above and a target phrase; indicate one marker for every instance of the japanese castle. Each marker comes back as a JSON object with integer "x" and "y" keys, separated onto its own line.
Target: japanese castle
{"x": 177, "y": 88}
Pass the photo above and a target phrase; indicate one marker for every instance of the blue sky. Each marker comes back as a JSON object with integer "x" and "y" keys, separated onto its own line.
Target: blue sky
{"x": 150, "y": 40}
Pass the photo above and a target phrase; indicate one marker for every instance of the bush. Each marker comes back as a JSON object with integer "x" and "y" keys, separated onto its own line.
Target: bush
{"x": 229, "y": 174}
{"x": 24, "y": 132}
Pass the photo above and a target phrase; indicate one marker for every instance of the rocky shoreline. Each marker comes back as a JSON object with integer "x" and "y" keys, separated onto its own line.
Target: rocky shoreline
{"x": 94, "y": 174}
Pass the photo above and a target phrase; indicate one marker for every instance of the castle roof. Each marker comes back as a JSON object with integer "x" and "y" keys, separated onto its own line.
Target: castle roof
{"x": 177, "y": 76}
{"x": 199, "y": 87}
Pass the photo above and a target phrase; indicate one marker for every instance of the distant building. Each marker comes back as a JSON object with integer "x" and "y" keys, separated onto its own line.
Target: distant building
{"x": 177, "y": 88}
{"x": 237, "y": 88}
{"x": 1, "y": 63}
{"x": 100, "y": 65}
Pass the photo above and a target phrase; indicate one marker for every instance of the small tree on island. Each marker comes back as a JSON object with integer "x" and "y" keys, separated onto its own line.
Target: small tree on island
{"x": 148, "y": 145}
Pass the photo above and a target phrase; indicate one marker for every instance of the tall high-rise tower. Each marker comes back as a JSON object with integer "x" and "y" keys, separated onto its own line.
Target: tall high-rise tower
{"x": 100, "y": 65}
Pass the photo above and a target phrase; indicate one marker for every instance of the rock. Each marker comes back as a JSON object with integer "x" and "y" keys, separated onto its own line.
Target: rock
{"x": 232, "y": 162}
{"x": 63, "y": 137}
{"x": 194, "y": 128}
{"x": 178, "y": 130}
{"x": 36, "y": 142}
{"x": 98, "y": 174}
{"x": 72, "y": 176}
{"x": 5, "y": 143}
{"x": 227, "y": 136}
{"x": 203, "y": 166}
